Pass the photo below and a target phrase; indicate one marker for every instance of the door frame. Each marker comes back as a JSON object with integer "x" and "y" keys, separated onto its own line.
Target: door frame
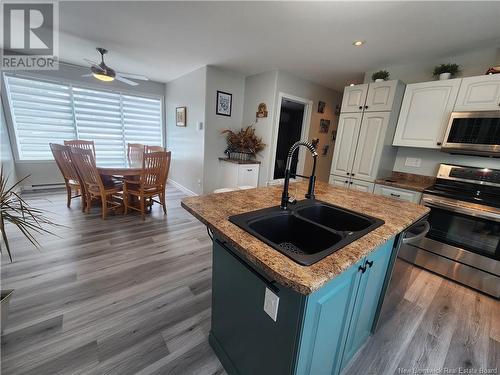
{"x": 306, "y": 124}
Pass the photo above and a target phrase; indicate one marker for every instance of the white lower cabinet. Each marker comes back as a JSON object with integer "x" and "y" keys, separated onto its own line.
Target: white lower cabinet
{"x": 234, "y": 175}
{"x": 397, "y": 193}
{"x": 351, "y": 183}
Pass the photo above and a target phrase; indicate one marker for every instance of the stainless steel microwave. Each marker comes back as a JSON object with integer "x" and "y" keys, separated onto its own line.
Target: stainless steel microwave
{"x": 473, "y": 133}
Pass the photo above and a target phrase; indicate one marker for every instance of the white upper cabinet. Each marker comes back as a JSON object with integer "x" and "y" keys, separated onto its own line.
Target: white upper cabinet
{"x": 354, "y": 98}
{"x": 370, "y": 145}
{"x": 345, "y": 144}
{"x": 381, "y": 95}
{"x": 479, "y": 94}
{"x": 425, "y": 113}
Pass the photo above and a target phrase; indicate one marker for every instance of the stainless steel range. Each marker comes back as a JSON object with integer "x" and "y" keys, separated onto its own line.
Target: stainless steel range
{"x": 463, "y": 241}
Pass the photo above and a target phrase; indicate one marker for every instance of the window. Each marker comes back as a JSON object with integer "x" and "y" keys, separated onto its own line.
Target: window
{"x": 46, "y": 112}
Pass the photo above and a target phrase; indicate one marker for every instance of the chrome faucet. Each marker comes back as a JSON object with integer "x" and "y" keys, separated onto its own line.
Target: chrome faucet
{"x": 285, "y": 198}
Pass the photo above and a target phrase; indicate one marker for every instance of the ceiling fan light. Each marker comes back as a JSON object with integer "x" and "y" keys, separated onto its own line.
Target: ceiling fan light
{"x": 103, "y": 77}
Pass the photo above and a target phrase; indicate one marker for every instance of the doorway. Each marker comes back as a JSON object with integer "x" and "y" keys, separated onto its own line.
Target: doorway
{"x": 292, "y": 126}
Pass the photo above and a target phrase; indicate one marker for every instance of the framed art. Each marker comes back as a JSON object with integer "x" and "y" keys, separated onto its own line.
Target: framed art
{"x": 180, "y": 116}
{"x": 224, "y": 103}
{"x": 324, "y": 125}
{"x": 321, "y": 107}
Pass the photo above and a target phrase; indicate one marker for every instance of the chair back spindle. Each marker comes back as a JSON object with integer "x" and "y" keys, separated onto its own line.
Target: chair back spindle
{"x": 135, "y": 153}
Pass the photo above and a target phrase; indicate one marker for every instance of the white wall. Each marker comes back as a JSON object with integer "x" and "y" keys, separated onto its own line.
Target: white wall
{"x": 46, "y": 172}
{"x": 266, "y": 87}
{"x": 187, "y": 143}
{"x": 7, "y": 158}
{"x": 215, "y": 143}
{"x": 472, "y": 63}
{"x": 261, "y": 88}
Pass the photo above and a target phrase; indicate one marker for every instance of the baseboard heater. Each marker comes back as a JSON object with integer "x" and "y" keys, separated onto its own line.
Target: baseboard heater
{"x": 59, "y": 185}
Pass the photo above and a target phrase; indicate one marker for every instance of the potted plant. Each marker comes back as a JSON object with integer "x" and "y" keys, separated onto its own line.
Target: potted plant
{"x": 30, "y": 221}
{"x": 381, "y": 75}
{"x": 446, "y": 71}
{"x": 242, "y": 144}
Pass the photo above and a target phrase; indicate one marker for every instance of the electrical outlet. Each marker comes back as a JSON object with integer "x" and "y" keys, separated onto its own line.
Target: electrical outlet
{"x": 271, "y": 302}
{"x": 413, "y": 162}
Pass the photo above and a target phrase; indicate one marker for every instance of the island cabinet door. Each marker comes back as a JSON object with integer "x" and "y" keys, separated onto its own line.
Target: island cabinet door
{"x": 368, "y": 296}
{"x": 245, "y": 338}
{"x": 325, "y": 325}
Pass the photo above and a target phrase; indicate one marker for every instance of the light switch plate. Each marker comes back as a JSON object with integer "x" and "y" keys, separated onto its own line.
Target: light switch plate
{"x": 271, "y": 302}
{"x": 200, "y": 125}
{"x": 413, "y": 162}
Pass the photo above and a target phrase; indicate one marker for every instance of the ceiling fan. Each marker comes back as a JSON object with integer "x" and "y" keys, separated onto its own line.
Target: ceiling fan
{"x": 104, "y": 73}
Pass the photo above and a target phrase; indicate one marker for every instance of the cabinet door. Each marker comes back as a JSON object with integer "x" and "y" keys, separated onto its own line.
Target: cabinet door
{"x": 359, "y": 185}
{"x": 327, "y": 315}
{"x": 395, "y": 193}
{"x": 425, "y": 113}
{"x": 228, "y": 175}
{"x": 367, "y": 300}
{"x": 345, "y": 145}
{"x": 248, "y": 175}
{"x": 370, "y": 145}
{"x": 380, "y": 96}
{"x": 339, "y": 181}
{"x": 354, "y": 98}
{"x": 479, "y": 94}
{"x": 241, "y": 329}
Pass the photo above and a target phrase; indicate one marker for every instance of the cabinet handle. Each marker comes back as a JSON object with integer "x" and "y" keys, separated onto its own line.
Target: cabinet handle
{"x": 366, "y": 107}
{"x": 347, "y": 173}
{"x": 438, "y": 143}
{"x": 352, "y": 174}
{"x": 350, "y": 182}
{"x": 395, "y": 195}
{"x": 346, "y": 182}
{"x": 369, "y": 263}
{"x": 360, "y": 107}
{"x": 362, "y": 269}
{"x": 249, "y": 170}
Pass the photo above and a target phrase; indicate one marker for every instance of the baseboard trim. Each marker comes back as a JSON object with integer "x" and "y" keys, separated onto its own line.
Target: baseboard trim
{"x": 182, "y": 188}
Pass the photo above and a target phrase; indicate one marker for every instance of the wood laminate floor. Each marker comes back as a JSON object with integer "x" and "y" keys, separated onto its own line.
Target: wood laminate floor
{"x": 122, "y": 296}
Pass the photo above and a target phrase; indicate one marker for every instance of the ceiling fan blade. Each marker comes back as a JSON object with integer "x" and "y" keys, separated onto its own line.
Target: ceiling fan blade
{"x": 87, "y": 75}
{"x": 125, "y": 80}
{"x": 134, "y": 76}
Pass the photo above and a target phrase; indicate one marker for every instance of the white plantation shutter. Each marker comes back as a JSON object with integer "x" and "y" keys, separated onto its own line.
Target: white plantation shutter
{"x": 142, "y": 120}
{"x": 46, "y": 112}
{"x": 42, "y": 113}
{"x": 98, "y": 118}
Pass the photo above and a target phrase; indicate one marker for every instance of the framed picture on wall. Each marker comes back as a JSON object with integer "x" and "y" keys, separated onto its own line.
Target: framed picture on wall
{"x": 324, "y": 125}
{"x": 180, "y": 116}
{"x": 321, "y": 107}
{"x": 224, "y": 103}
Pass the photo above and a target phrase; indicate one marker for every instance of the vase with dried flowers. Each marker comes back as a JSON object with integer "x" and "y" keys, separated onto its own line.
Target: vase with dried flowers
{"x": 243, "y": 144}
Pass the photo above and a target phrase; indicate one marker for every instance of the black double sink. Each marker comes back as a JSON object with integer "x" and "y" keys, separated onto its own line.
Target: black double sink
{"x": 307, "y": 231}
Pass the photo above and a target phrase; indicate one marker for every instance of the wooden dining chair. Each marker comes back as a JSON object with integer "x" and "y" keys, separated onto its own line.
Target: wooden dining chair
{"x": 94, "y": 185}
{"x": 79, "y": 143}
{"x": 72, "y": 180}
{"x": 135, "y": 152}
{"x": 151, "y": 183}
{"x": 148, "y": 149}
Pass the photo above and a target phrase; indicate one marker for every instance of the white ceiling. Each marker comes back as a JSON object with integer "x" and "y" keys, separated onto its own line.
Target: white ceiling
{"x": 313, "y": 40}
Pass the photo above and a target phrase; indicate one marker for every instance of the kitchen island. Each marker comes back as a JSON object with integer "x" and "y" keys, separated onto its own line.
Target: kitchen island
{"x": 271, "y": 315}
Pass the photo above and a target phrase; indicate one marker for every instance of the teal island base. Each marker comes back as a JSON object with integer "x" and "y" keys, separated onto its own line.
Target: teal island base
{"x": 315, "y": 334}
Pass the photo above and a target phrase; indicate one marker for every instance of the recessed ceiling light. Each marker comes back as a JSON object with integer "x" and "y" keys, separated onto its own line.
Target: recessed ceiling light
{"x": 358, "y": 43}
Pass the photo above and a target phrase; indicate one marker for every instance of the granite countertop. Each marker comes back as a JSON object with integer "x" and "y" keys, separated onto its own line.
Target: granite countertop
{"x": 409, "y": 181}
{"x": 214, "y": 210}
{"x": 237, "y": 161}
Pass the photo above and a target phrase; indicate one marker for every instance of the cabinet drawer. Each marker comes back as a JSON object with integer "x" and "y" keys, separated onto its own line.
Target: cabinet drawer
{"x": 248, "y": 175}
{"x": 396, "y": 193}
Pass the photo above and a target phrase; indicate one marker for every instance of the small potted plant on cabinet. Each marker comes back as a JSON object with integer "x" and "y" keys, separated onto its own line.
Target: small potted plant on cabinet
{"x": 446, "y": 71}
{"x": 381, "y": 75}
{"x": 17, "y": 213}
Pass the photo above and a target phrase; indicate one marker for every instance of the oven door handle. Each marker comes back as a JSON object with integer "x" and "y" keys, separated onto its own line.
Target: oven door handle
{"x": 463, "y": 210}
{"x": 419, "y": 236}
